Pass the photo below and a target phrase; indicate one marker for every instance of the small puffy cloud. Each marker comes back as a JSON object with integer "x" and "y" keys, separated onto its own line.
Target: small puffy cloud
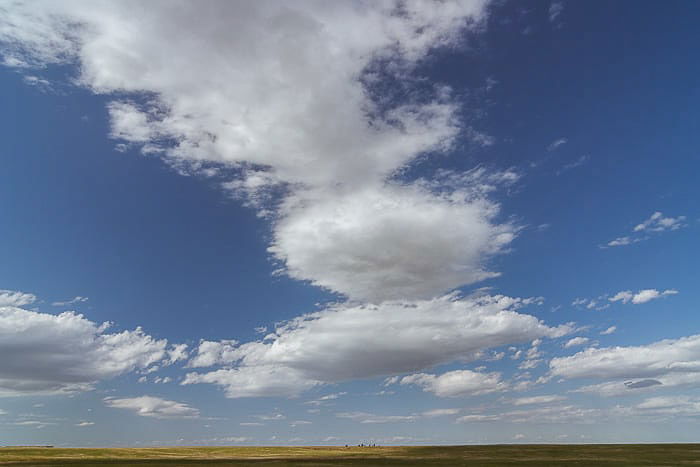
{"x": 47, "y": 354}
{"x": 458, "y": 383}
{"x": 608, "y": 331}
{"x": 598, "y": 304}
{"x": 346, "y": 341}
{"x": 575, "y": 342}
{"x": 176, "y": 353}
{"x": 643, "y": 296}
{"x": 15, "y": 298}
{"x": 149, "y": 406}
{"x": 210, "y": 353}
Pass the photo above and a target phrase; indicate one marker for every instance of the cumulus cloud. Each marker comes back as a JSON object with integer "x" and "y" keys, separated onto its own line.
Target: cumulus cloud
{"x": 608, "y": 331}
{"x": 347, "y": 341}
{"x": 655, "y": 224}
{"x": 210, "y": 353}
{"x": 16, "y": 298}
{"x": 669, "y": 362}
{"x": 149, "y": 406}
{"x": 268, "y": 112}
{"x": 48, "y": 354}
{"x": 576, "y": 341}
{"x": 397, "y": 242}
{"x": 458, "y": 383}
{"x": 643, "y": 296}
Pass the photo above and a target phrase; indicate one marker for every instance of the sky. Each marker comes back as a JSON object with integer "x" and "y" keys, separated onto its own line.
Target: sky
{"x": 308, "y": 223}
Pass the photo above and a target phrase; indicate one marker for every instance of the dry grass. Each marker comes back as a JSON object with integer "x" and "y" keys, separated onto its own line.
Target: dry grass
{"x": 498, "y": 455}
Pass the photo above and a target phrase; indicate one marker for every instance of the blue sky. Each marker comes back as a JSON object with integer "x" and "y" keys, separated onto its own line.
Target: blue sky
{"x": 469, "y": 224}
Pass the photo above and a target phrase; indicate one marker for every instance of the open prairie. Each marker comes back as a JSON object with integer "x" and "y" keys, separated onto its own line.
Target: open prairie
{"x": 493, "y": 455}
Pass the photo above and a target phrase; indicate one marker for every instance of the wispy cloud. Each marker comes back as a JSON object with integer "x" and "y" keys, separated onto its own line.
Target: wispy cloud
{"x": 572, "y": 165}
{"x": 554, "y": 145}
{"x": 655, "y": 224}
{"x": 73, "y": 301}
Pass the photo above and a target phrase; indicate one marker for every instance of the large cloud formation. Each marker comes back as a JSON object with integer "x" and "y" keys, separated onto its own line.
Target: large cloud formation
{"x": 53, "y": 354}
{"x": 279, "y": 103}
{"x": 284, "y": 96}
{"x": 348, "y": 342}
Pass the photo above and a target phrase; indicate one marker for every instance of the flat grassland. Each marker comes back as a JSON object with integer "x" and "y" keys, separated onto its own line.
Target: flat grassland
{"x": 493, "y": 455}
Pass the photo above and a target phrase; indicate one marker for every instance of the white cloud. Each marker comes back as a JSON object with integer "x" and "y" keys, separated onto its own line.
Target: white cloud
{"x": 72, "y": 301}
{"x": 269, "y": 111}
{"x": 458, "y": 383}
{"x": 45, "y": 354}
{"x": 572, "y": 165}
{"x": 256, "y": 381}
{"x": 642, "y": 296}
{"x": 15, "y": 298}
{"x": 668, "y": 362}
{"x": 555, "y": 11}
{"x": 440, "y": 412}
{"x": 547, "y": 399}
{"x": 556, "y": 143}
{"x": 347, "y": 342}
{"x": 608, "y": 331}
{"x": 655, "y": 224}
{"x": 397, "y": 242}
{"x": 670, "y": 406}
{"x": 364, "y": 417}
{"x": 84, "y": 424}
{"x": 622, "y": 241}
{"x": 210, "y": 353}
{"x": 325, "y": 399}
{"x": 576, "y": 341}
{"x": 658, "y": 223}
{"x": 149, "y": 406}
{"x": 271, "y": 417}
{"x": 622, "y": 388}
{"x": 549, "y": 414}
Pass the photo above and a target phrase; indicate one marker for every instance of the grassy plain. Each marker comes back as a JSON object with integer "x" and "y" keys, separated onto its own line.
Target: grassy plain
{"x": 493, "y": 455}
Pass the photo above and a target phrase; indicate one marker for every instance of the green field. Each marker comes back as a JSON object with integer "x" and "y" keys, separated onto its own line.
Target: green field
{"x": 495, "y": 455}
